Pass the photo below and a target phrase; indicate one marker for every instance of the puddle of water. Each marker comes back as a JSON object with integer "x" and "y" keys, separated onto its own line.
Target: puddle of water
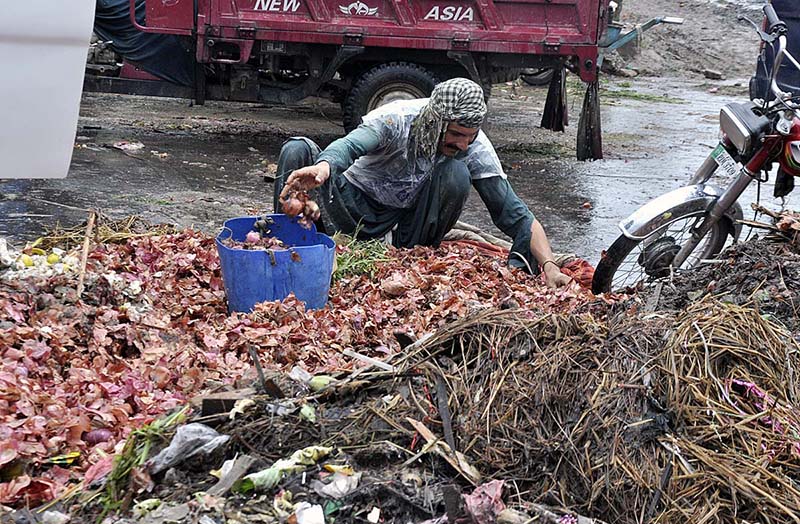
{"x": 199, "y": 177}
{"x": 672, "y": 141}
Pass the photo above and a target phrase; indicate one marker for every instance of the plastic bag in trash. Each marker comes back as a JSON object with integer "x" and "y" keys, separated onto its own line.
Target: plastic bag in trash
{"x": 189, "y": 441}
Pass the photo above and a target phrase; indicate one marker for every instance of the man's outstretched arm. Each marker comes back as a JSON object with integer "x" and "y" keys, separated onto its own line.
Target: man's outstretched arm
{"x": 540, "y": 247}
{"x": 337, "y": 157}
{"x": 511, "y": 215}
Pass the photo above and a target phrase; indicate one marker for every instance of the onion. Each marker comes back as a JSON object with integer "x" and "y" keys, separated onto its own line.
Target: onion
{"x": 96, "y": 436}
{"x": 311, "y": 210}
{"x": 292, "y": 207}
{"x": 252, "y": 237}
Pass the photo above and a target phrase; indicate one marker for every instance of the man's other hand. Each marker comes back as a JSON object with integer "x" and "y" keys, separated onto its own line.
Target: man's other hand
{"x": 554, "y": 278}
{"x": 306, "y": 178}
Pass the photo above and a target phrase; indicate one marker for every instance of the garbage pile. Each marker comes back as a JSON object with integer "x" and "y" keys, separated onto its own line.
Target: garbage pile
{"x": 443, "y": 388}
{"x": 150, "y": 330}
{"x": 763, "y": 274}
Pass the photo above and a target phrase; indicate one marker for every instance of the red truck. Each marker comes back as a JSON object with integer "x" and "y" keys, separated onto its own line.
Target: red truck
{"x": 361, "y": 53}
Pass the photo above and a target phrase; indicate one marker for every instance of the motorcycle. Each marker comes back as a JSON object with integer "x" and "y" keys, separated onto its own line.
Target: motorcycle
{"x": 680, "y": 229}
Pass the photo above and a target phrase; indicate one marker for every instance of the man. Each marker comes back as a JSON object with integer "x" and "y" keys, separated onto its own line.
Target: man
{"x": 405, "y": 173}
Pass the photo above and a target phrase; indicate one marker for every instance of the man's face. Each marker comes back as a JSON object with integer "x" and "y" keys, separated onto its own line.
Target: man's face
{"x": 457, "y": 138}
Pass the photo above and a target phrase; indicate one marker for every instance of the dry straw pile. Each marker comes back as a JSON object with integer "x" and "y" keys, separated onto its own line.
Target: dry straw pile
{"x": 683, "y": 417}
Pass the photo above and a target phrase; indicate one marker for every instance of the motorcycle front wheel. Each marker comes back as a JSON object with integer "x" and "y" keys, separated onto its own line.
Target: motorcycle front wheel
{"x": 628, "y": 262}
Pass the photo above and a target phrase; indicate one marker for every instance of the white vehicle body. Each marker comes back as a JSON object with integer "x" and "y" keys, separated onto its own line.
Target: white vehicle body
{"x": 43, "y": 55}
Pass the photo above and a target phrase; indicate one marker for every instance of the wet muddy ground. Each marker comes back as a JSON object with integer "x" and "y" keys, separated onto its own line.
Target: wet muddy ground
{"x": 656, "y": 132}
{"x": 201, "y": 165}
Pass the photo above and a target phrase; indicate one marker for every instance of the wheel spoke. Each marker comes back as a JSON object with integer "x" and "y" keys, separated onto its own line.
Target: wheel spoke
{"x": 630, "y": 272}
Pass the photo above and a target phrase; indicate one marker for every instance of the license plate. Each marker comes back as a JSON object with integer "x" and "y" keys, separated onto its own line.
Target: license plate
{"x": 725, "y": 161}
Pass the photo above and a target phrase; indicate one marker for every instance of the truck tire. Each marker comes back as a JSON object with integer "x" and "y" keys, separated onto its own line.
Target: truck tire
{"x": 383, "y": 84}
{"x": 501, "y": 75}
{"x": 537, "y": 77}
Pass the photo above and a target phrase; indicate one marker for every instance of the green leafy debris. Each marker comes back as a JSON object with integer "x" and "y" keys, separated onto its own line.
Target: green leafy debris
{"x": 358, "y": 257}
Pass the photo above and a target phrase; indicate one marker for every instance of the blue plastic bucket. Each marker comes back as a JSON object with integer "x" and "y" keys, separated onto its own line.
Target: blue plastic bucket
{"x": 257, "y": 276}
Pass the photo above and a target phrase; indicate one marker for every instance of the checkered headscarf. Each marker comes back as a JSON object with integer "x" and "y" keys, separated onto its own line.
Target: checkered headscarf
{"x": 458, "y": 100}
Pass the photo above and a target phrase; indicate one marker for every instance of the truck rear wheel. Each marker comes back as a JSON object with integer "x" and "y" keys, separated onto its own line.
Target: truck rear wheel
{"x": 537, "y": 77}
{"x": 383, "y": 84}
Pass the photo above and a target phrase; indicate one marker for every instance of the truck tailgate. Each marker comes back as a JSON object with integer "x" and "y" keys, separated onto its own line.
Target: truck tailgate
{"x": 499, "y": 26}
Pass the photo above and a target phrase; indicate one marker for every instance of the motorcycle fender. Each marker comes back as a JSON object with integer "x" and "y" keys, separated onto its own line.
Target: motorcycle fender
{"x": 662, "y": 211}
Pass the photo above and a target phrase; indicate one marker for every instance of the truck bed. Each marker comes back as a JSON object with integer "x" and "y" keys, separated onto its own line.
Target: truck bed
{"x": 543, "y": 27}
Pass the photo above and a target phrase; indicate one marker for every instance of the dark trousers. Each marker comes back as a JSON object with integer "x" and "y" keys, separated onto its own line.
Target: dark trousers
{"x": 347, "y": 209}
